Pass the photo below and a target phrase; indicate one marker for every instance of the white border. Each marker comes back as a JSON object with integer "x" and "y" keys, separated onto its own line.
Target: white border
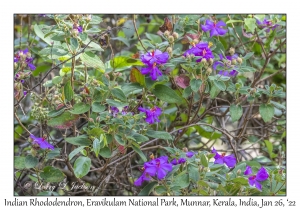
{"x": 148, "y": 6}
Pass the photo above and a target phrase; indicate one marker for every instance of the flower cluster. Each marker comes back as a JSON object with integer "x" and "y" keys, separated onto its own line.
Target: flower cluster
{"x": 266, "y": 24}
{"x": 200, "y": 49}
{"x": 157, "y": 167}
{"x": 114, "y": 110}
{"x": 77, "y": 28}
{"x": 151, "y": 114}
{"x": 41, "y": 142}
{"x": 255, "y": 180}
{"x": 229, "y": 160}
{"x": 215, "y": 28}
{"x": 151, "y": 60}
{"x": 228, "y": 60}
{"x": 24, "y": 58}
{"x": 182, "y": 160}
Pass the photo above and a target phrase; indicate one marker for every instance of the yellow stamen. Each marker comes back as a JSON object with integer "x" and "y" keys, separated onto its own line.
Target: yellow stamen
{"x": 210, "y": 44}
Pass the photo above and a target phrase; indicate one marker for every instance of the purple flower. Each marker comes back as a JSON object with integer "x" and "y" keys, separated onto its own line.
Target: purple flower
{"x": 229, "y": 160}
{"x": 254, "y": 180}
{"x": 125, "y": 110}
{"x": 151, "y": 114}
{"x": 114, "y": 111}
{"x": 152, "y": 70}
{"x": 200, "y": 49}
{"x": 179, "y": 161}
{"x": 24, "y": 59}
{"x": 230, "y": 73}
{"x": 155, "y": 56}
{"x": 25, "y": 92}
{"x": 78, "y": 28}
{"x": 266, "y": 24}
{"x": 144, "y": 177}
{"x": 189, "y": 154}
{"x": 159, "y": 166}
{"x": 215, "y": 28}
{"x": 41, "y": 142}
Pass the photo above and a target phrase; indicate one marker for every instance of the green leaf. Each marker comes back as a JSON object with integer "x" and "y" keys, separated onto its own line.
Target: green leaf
{"x": 269, "y": 147}
{"x": 75, "y": 152}
{"x": 139, "y": 137}
{"x": 41, "y": 34}
{"x": 236, "y": 111}
{"x": 116, "y": 103}
{"x": 79, "y": 140}
{"x": 74, "y": 44}
{"x": 96, "y": 19}
{"x": 187, "y": 92}
{"x": 248, "y": 55}
{"x": 155, "y": 39}
{"x": 119, "y": 139}
{"x": 19, "y": 162}
{"x": 204, "y": 160}
{"x": 56, "y": 80}
{"x": 250, "y": 24}
{"x": 131, "y": 88}
{"x": 195, "y": 84}
{"x": 181, "y": 180}
{"x": 92, "y": 60}
{"x": 160, "y": 190}
{"x": 55, "y": 113}
{"x": 159, "y": 134}
{"x": 137, "y": 149}
{"x": 97, "y": 107}
{"x": 166, "y": 94}
{"x": 147, "y": 189}
{"x": 123, "y": 61}
{"x": 40, "y": 69}
{"x": 266, "y": 111}
{"x": 96, "y": 146}
{"x": 240, "y": 180}
{"x": 62, "y": 120}
{"x": 82, "y": 166}
{"x": 246, "y": 69}
{"x": 122, "y": 39}
{"x": 53, "y": 52}
{"x": 118, "y": 93}
{"x": 80, "y": 108}
{"x": 214, "y": 91}
{"x": 51, "y": 174}
{"x": 68, "y": 91}
{"x": 30, "y": 161}
{"x": 220, "y": 85}
{"x": 278, "y": 105}
{"x": 105, "y": 152}
{"x": 53, "y": 153}
{"x": 262, "y": 160}
{"x": 234, "y": 21}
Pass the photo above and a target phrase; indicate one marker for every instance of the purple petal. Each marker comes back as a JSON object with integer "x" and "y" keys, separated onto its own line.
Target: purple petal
{"x": 190, "y": 154}
{"x": 142, "y": 178}
{"x": 230, "y": 161}
{"x": 146, "y": 70}
{"x": 166, "y": 166}
{"x": 233, "y": 73}
{"x": 214, "y": 150}
{"x": 262, "y": 174}
{"x": 208, "y": 25}
{"x": 219, "y": 161}
{"x": 155, "y": 73}
{"x": 31, "y": 66}
{"x": 248, "y": 170}
{"x": 251, "y": 180}
{"x": 174, "y": 162}
{"x": 145, "y": 58}
{"x": 162, "y": 57}
{"x": 181, "y": 160}
{"x": 258, "y": 185}
{"x": 214, "y": 32}
{"x": 216, "y": 64}
{"x": 161, "y": 174}
{"x": 25, "y": 51}
{"x": 220, "y": 23}
{"x": 221, "y": 31}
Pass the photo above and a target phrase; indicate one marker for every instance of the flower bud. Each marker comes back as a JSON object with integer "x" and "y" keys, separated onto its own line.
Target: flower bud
{"x": 185, "y": 149}
{"x": 233, "y": 61}
{"x": 171, "y": 39}
{"x": 204, "y": 61}
{"x": 175, "y": 35}
{"x": 91, "y": 120}
{"x": 33, "y": 152}
{"x": 169, "y": 50}
{"x": 98, "y": 119}
{"x": 239, "y": 60}
{"x": 208, "y": 70}
{"x": 15, "y": 65}
{"x": 231, "y": 51}
{"x": 89, "y": 17}
{"x": 211, "y": 61}
{"x": 238, "y": 171}
{"x": 167, "y": 33}
{"x": 196, "y": 41}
